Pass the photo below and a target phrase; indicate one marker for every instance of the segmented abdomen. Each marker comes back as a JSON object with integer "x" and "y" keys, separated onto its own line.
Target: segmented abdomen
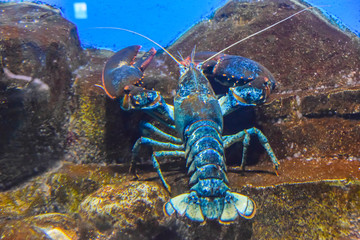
{"x": 204, "y": 152}
{"x": 209, "y": 197}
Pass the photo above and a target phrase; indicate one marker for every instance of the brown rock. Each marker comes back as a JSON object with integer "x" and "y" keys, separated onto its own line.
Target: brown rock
{"x": 36, "y": 43}
{"x": 52, "y": 226}
{"x": 132, "y": 210}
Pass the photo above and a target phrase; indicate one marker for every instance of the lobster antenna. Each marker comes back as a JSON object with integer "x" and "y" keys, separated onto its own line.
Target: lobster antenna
{"x": 136, "y": 33}
{"x": 254, "y": 34}
{"x": 181, "y": 56}
{"x": 192, "y": 56}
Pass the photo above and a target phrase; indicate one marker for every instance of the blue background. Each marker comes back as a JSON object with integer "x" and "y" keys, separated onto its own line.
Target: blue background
{"x": 165, "y": 20}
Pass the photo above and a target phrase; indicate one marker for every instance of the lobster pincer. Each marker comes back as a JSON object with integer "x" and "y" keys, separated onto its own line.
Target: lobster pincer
{"x": 231, "y": 70}
{"x": 121, "y": 74}
{"x": 250, "y": 94}
{"x": 122, "y": 79}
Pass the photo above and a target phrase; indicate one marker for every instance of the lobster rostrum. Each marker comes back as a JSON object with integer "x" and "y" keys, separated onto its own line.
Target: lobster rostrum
{"x": 197, "y": 116}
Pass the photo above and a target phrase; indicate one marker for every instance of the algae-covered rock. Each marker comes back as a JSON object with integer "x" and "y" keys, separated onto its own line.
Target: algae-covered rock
{"x": 132, "y": 209}
{"x": 313, "y": 210}
{"x": 108, "y": 205}
{"x": 52, "y": 226}
{"x": 59, "y": 191}
{"x": 86, "y": 132}
{"x": 25, "y": 201}
{"x": 72, "y": 183}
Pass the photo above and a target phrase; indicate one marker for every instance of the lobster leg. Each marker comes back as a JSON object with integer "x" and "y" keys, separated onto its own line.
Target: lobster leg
{"x": 149, "y": 129}
{"x": 245, "y": 137}
{"x": 246, "y": 143}
{"x": 156, "y": 164}
{"x": 153, "y": 143}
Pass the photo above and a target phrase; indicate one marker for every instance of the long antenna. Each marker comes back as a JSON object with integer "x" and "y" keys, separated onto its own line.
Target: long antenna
{"x": 255, "y": 34}
{"x": 136, "y": 33}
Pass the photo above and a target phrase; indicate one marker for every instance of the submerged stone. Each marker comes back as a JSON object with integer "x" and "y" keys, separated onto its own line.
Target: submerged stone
{"x": 129, "y": 209}
{"x": 51, "y": 226}
{"x": 39, "y": 50}
{"x": 59, "y": 191}
{"x": 313, "y": 210}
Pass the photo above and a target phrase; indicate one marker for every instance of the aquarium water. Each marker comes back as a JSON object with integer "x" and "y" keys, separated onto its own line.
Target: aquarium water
{"x": 164, "y": 21}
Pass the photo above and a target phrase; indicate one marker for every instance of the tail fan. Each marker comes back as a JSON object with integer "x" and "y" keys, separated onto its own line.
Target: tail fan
{"x": 225, "y": 209}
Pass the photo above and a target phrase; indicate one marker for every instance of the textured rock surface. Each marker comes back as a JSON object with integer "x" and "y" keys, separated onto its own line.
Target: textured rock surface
{"x": 130, "y": 210}
{"x": 312, "y": 122}
{"x": 61, "y": 190}
{"x": 309, "y": 198}
{"x": 35, "y": 41}
{"x": 86, "y": 132}
{"x": 320, "y": 210}
{"x": 52, "y": 226}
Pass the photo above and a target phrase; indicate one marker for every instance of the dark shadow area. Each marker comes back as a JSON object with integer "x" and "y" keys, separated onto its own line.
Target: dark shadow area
{"x": 243, "y": 172}
{"x": 121, "y": 131}
{"x": 235, "y": 122}
{"x": 11, "y": 114}
{"x": 355, "y": 116}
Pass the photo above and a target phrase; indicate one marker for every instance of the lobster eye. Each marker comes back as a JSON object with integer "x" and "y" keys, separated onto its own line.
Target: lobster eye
{"x": 127, "y": 89}
{"x": 183, "y": 69}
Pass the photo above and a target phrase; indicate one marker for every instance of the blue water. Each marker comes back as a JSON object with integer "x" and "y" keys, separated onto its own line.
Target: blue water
{"x": 346, "y": 11}
{"x": 164, "y": 20}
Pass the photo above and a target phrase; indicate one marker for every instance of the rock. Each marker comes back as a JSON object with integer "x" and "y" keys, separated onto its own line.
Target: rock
{"x": 72, "y": 183}
{"x": 39, "y": 51}
{"x": 25, "y": 201}
{"x": 132, "y": 210}
{"x": 320, "y": 210}
{"x": 61, "y": 190}
{"x": 51, "y": 226}
{"x": 108, "y": 205}
{"x": 86, "y": 132}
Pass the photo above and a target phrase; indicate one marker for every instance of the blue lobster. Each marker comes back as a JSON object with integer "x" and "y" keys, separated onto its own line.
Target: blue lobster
{"x": 197, "y": 117}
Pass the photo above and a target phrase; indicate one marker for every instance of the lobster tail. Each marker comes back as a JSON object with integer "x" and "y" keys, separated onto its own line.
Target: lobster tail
{"x": 237, "y": 203}
{"x": 225, "y": 209}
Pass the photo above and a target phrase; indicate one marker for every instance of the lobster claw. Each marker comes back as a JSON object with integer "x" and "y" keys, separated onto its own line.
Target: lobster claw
{"x": 252, "y": 93}
{"x": 122, "y": 76}
{"x": 230, "y": 70}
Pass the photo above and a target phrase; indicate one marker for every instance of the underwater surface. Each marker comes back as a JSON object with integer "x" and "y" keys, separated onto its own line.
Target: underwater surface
{"x": 165, "y": 22}
{"x": 72, "y": 113}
